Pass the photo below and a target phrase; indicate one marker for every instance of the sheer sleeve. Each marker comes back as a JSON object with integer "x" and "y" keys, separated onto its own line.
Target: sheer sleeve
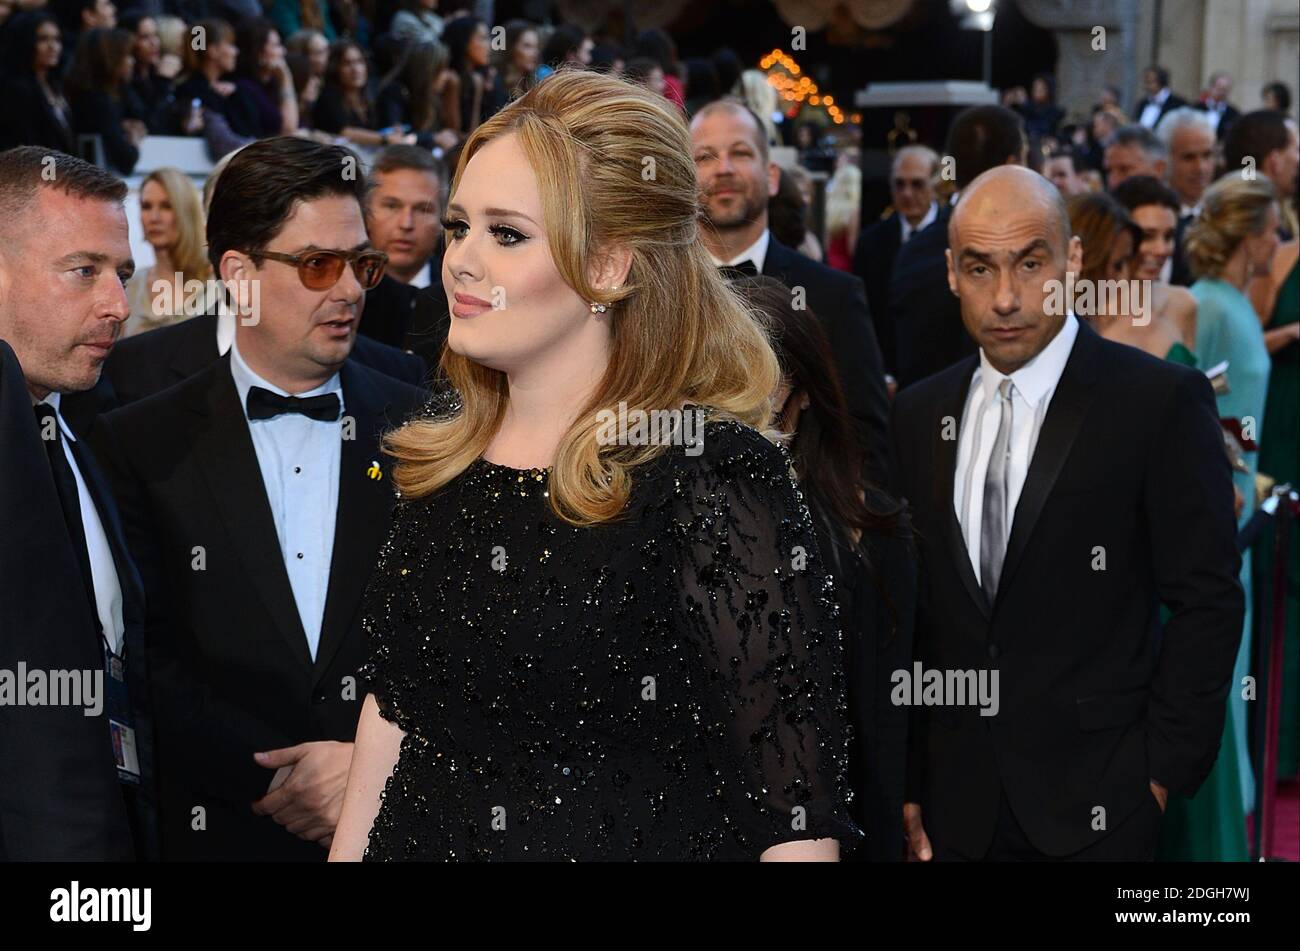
{"x": 761, "y": 619}
{"x": 393, "y": 608}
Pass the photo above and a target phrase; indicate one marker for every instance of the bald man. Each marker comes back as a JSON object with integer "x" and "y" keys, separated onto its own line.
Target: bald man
{"x": 1064, "y": 488}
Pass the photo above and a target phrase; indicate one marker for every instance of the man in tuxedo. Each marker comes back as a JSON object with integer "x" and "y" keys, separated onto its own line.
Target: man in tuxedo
{"x": 1065, "y": 487}
{"x": 1220, "y": 114}
{"x": 1158, "y": 100}
{"x": 736, "y": 180}
{"x": 76, "y": 781}
{"x": 1134, "y": 150}
{"x": 927, "y": 324}
{"x": 1062, "y": 169}
{"x": 256, "y": 499}
{"x": 403, "y": 219}
{"x": 911, "y": 185}
{"x": 1189, "y": 139}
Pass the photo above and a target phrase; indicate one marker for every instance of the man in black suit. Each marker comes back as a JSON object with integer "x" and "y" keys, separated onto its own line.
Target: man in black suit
{"x": 911, "y": 185}
{"x": 928, "y": 331}
{"x": 76, "y": 781}
{"x": 736, "y": 180}
{"x": 1159, "y": 98}
{"x": 256, "y": 501}
{"x": 403, "y": 218}
{"x": 1054, "y": 521}
{"x": 1219, "y": 112}
{"x": 1189, "y": 139}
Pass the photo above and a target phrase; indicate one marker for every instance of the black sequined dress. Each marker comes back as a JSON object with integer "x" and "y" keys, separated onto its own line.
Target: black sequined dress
{"x": 665, "y": 686}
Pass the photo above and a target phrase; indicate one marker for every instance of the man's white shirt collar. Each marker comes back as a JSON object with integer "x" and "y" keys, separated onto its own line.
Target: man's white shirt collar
{"x": 756, "y": 252}
{"x": 925, "y": 222}
{"x": 246, "y": 378}
{"x": 1040, "y": 375}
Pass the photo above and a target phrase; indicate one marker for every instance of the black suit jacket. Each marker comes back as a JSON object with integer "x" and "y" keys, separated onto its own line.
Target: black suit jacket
{"x": 1180, "y": 272}
{"x": 231, "y": 668}
{"x": 928, "y": 332}
{"x": 150, "y": 362}
{"x": 387, "y": 313}
{"x": 1095, "y": 699}
{"x": 26, "y": 118}
{"x": 59, "y": 795}
{"x": 1170, "y": 104}
{"x": 873, "y": 261}
{"x": 840, "y": 303}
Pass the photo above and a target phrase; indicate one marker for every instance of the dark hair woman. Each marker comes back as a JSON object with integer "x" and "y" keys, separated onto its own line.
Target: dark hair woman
{"x": 211, "y": 82}
{"x": 346, "y": 107}
{"x": 410, "y": 74}
{"x": 100, "y": 74}
{"x": 263, "y": 77}
{"x": 479, "y": 92}
{"x": 33, "y": 110}
{"x": 865, "y": 537}
{"x": 149, "y": 91}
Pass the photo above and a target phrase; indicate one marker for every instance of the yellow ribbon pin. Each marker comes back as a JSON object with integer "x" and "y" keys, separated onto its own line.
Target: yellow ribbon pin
{"x": 374, "y": 471}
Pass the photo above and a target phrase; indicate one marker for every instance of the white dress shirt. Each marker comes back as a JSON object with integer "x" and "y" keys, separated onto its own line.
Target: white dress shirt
{"x": 103, "y": 572}
{"x": 756, "y": 252}
{"x": 299, "y": 459}
{"x": 925, "y": 222}
{"x": 1032, "y": 387}
{"x": 423, "y": 277}
{"x": 1151, "y": 111}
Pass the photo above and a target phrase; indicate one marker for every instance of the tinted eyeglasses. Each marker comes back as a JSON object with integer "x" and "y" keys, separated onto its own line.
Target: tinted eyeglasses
{"x": 320, "y": 270}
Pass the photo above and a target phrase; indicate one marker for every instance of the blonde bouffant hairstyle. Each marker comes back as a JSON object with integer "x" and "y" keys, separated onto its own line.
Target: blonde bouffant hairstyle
{"x": 615, "y": 167}
{"x": 1232, "y": 209}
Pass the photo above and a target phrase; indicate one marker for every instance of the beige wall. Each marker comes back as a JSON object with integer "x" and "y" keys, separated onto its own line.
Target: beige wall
{"x": 1256, "y": 41}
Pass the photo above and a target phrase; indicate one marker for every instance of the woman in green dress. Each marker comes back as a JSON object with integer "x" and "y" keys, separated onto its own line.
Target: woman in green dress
{"x": 1279, "y": 457}
{"x": 1232, "y": 240}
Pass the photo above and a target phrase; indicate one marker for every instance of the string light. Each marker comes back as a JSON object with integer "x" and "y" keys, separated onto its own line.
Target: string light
{"x": 797, "y": 89}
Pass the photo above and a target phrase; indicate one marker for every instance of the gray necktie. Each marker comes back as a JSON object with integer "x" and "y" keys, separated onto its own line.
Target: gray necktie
{"x": 993, "y": 536}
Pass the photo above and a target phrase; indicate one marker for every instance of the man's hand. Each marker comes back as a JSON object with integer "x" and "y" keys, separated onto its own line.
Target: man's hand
{"x": 1161, "y": 794}
{"x": 309, "y": 802}
{"x": 918, "y": 843}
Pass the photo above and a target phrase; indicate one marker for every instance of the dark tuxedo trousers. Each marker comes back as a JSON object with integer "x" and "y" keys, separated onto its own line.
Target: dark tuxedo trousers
{"x": 1127, "y": 505}
{"x": 232, "y": 672}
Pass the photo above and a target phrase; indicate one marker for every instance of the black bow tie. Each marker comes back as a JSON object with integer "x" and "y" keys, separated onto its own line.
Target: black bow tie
{"x": 263, "y": 404}
{"x": 732, "y": 271}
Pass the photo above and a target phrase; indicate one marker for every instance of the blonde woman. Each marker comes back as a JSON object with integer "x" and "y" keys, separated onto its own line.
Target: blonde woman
{"x": 586, "y": 643}
{"x": 171, "y": 214}
{"x": 761, "y": 97}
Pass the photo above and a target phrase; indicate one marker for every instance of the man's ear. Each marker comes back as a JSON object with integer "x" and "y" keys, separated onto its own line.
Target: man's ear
{"x": 952, "y": 272}
{"x": 237, "y": 271}
{"x": 1074, "y": 256}
{"x": 610, "y": 267}
{"x": 773, "y": 179}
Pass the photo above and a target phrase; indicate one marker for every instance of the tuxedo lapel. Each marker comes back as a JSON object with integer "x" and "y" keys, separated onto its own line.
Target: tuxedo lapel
{"x": 361, "y": 522}
{"x": 954, "y": 404}
{"x": 1065, "y": 415}
{"x": 128, "y": 579}
{"x": 197, "y": 347}
{"x": 229, "y": 464}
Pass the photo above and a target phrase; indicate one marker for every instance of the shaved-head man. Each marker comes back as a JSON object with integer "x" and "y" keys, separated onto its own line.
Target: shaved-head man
{"x": 1065, "y": 487}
